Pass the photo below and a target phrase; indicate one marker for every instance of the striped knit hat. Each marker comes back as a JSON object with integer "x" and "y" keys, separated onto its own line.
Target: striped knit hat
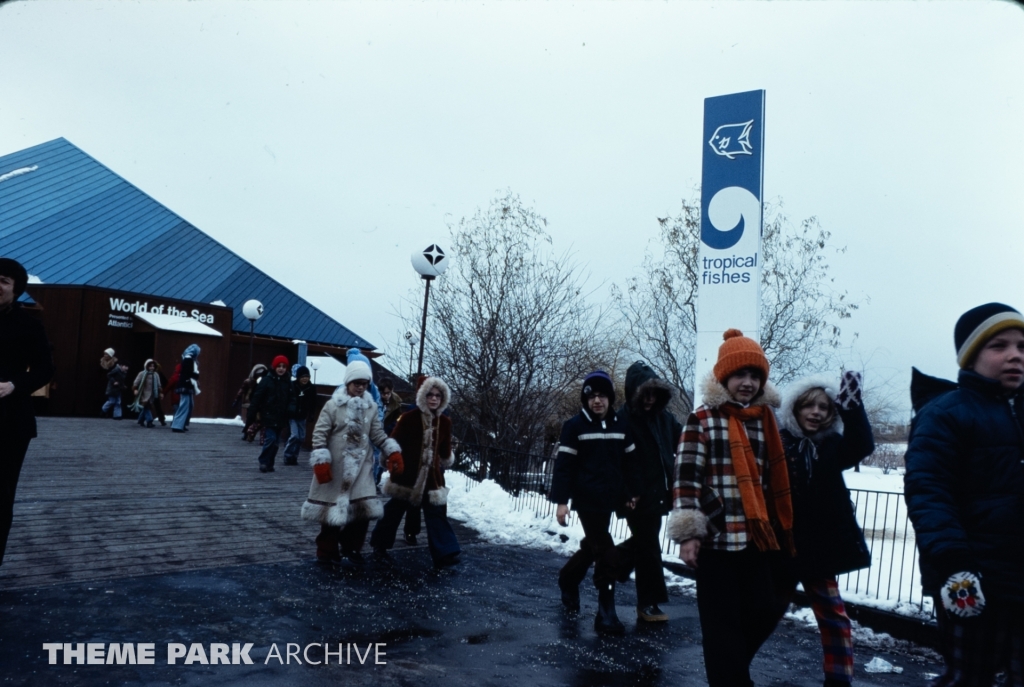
{"x": 978, "y": 325}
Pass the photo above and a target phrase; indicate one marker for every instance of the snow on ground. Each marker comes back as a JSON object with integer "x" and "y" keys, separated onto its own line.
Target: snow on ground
{"x": 875, "y": 479}
{"x": 235, "y": 422}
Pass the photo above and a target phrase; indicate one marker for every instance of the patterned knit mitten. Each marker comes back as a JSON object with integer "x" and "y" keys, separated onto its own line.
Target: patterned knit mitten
{"x": 849, "y": 390}
{"x": 961, "y": 595}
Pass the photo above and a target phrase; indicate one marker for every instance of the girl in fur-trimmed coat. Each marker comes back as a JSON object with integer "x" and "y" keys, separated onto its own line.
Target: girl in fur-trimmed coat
{"x": 425, "y": 436}
{"x": 824, "y": 432}
{"x": 343, "y": 497}
{"x": 733, "y": 515}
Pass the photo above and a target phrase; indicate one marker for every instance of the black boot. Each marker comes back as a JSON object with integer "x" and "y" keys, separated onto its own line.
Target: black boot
{"x": 570, "y": 596}
{"x": 607, "y": 621}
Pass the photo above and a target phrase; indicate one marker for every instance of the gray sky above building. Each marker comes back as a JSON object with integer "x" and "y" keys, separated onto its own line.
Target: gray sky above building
{"x": 324, "y": 142}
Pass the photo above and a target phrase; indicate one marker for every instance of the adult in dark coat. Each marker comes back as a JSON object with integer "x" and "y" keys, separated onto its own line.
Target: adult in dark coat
{"x": 656, "y": 433}
{"x": 26, "y": 364}
{"x": 822, "y": 438}
{"x": 270, "y": 404}
{"x": 964, "y": 488}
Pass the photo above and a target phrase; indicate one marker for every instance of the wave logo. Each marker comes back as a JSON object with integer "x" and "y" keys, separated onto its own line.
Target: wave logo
{"x": 730, "y": 140}
{"x": 733, "y": 208}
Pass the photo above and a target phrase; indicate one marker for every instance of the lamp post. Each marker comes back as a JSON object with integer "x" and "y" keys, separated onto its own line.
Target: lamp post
{"x": 313, "y": 365}
{"x": 253, "y": 310}
{"x": 430, "y": 264}
{"x": 411, "y": 340}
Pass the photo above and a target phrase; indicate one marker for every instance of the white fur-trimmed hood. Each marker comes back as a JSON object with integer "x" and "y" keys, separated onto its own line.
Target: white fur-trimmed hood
{"x": 714, "y": 394}
{"x": 341, "y": 398}
{"x": 787, "y": 420}
{"x": 433, "y": 383}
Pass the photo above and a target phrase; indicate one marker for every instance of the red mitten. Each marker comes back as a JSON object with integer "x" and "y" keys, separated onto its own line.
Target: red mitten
{"x": 323, "y": 473}
{"x": 395, "y": 464}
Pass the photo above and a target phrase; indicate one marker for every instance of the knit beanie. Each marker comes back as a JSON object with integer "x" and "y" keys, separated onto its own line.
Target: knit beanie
{"x": 279, "y": 360}
{"x": 109, "y": 351}
{"x": 14, "y": 270}
{"x": 303, "y": 371}
{"x": 598, "y": 381}
{"x": 738, "y": 352}
{"x": 978, "y": 325}
{"x": 357, "y": 370}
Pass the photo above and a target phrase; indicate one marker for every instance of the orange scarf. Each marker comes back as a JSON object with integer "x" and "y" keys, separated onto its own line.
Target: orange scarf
{"x": 751, "y": 493}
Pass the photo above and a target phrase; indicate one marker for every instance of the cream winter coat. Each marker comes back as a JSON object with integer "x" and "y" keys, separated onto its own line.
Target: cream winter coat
{"x": 344, "y": 436}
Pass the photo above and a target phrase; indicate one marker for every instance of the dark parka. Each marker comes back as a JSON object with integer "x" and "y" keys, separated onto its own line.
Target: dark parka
{"x": 25, "y": 361}
{"x": 828, "y": 539}
{"x": 656, "y": 435}
{"x": 965, "y": 482}
{"x": 271, "y": 400}
{"x": 590, "y": 467}
{"x": 302, "y": 402}
{"x": 115, "y": 380}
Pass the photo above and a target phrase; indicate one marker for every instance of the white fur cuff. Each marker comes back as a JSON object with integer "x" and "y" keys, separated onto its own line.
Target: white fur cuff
{"x": 448, "y": 462}
{"x": 438, "y": 497}
{"x": 390, "y": 446}
{"x": 688, "y": 523}
{"x": 319, "y": 456}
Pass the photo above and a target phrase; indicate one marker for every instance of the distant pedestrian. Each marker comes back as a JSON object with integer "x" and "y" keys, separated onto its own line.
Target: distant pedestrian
{"x": 390, "y": 402}
{"x": 187, "y": 387}
{"x": 825, "y": 431}
{"x": 591, "y": 472}
{"x": 146, "y": 388}
{"x": 26, "y": 364}
{"x": 108, "y": 360}
{"x": 270, "y": 405}
{"x": 656, "y": 432}
{"x": 300, "y": 408}
{"x": 425, "y": 437}
{"x": 342, "y": 497}
{"x": 733, "y": 515}
{"x": 157, "y": 401}
{"x": 964, "y": 488}
{"x": 243, "y": 398}
{"x": 116, "y": 383}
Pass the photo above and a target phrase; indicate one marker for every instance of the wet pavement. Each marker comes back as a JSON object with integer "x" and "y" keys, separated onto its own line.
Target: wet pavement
{"x": 494, "y": 620}
{"x": 186, "y": 547}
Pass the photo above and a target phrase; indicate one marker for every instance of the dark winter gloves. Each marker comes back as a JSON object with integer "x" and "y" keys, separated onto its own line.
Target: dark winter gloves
{"x": 849, "y": 390}
{"x": 395, "y": 464}
{"x": 961, "y": 595}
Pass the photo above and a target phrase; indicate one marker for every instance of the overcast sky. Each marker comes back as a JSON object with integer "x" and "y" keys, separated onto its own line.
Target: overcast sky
{"x": 323, "y": 142}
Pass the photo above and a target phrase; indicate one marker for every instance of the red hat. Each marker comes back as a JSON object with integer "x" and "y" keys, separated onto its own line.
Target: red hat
{"x": 279, "y": 360}
{"x": 738, "y": 352}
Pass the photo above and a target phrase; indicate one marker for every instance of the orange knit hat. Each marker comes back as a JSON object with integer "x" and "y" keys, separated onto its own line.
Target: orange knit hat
{"x": 737, "y": 352}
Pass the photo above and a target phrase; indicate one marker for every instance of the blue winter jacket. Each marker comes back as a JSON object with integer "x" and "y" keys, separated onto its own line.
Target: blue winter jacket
{"x": 964, "y": 485}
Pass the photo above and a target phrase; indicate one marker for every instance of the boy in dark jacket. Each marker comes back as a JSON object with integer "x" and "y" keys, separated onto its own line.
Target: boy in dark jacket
{"x": 115, "y": 388}
{"x": 270, "y": 402}
{"x": 656, "y": 432}
{"x": 591, "y": 471}
{"x": 300, "y": 407}
{"x": 965, "y": 496}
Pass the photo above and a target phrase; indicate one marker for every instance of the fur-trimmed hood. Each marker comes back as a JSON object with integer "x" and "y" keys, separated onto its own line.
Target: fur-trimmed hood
{"x": 639, "y": 379}
{"x": 341, "y": 397}
{"x": 787, "y": 419}
{"x": 433, "y": 383}
{"x": 714, "y": 394}
{"x": 257, "y": 368}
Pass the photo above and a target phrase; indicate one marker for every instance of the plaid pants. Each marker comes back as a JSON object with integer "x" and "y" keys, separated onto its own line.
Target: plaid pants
{"x": 834, "y": 627}
{"x": 975, "y": 649}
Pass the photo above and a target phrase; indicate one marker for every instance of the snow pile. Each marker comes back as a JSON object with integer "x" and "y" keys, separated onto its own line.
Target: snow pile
{"x": 18, "y": 172}
{"x": 236, "y": 422}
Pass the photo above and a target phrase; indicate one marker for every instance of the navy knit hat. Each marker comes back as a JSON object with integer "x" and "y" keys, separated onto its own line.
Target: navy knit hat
{"x": 978, "y": 325}
{"x": 301, "y": 371}
{"x": 598, "y": 381}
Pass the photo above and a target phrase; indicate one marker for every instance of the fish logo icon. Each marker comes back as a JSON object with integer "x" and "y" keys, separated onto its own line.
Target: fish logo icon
{"x": 730, "y": 140}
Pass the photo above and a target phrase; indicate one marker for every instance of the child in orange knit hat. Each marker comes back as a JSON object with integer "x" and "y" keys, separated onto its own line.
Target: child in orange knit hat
{"x": 732, "y": 514}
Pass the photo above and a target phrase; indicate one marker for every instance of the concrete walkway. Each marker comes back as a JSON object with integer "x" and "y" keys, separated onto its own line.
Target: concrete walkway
{"x": 130, "y": 536}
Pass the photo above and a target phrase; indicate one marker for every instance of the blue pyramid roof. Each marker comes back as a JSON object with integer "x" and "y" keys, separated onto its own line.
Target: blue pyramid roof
{"x": 70, "y": 220}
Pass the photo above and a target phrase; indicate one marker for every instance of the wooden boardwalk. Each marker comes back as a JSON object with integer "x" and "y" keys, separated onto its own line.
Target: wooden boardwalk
{"x": 101, "y": 499}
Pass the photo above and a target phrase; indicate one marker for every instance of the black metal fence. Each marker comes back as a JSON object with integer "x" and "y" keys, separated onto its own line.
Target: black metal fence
{"x": 893, "y": 577}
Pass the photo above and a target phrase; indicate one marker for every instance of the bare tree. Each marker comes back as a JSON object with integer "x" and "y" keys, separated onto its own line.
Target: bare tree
{"x": 800, "y": 308}
{"x": 509, "y": 328}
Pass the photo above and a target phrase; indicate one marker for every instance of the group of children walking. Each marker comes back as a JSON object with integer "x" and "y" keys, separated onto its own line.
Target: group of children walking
{"x": 759, "y": 503}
